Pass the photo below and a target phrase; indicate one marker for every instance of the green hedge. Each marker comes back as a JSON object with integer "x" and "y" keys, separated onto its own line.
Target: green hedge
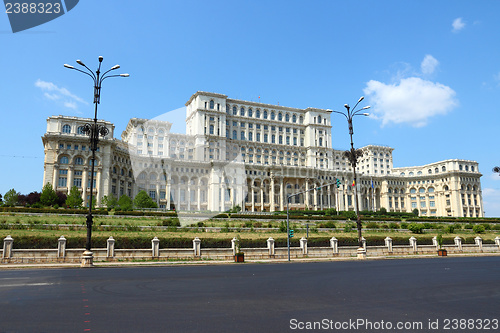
{"x": 51, "y": 210}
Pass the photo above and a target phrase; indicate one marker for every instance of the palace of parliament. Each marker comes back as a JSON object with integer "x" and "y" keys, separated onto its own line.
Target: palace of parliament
{"x": 253, "y": 155}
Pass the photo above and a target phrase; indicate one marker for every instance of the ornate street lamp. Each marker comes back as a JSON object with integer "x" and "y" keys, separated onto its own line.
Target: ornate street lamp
{"x": 352, "y": 155}
{"x": 93, "y": 130}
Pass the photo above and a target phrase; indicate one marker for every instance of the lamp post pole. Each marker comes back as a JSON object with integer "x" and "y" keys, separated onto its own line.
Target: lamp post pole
{"x": 353, "y": 155}
{"x": 93, "y": 130}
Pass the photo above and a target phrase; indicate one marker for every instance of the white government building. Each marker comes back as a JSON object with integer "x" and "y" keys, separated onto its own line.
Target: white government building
{"x": 253, "y": 155}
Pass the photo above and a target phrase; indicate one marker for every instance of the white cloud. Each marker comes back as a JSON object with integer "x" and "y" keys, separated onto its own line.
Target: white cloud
{"x": 55, "y": 93}
{"x": 491, "y": 202}
{"x": 428, "y": 65}
{"x": 458, "y": 24}
{"x": 411, "y": 100}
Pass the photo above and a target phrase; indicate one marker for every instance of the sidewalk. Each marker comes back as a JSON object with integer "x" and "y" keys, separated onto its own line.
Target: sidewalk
{"x": 230, "y": 262}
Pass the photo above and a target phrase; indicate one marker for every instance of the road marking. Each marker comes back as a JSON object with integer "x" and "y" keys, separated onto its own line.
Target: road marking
{"x": 26, "y": 285}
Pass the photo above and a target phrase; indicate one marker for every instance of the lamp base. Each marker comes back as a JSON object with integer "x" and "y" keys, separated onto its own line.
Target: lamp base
{"x": 361, "y": 253}
{"x": 87, "y": 259}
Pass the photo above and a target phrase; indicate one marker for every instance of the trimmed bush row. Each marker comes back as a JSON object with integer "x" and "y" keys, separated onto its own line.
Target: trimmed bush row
{"x": 139, "y": 242}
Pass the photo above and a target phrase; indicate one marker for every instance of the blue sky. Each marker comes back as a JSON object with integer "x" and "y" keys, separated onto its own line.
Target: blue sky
{"x": 429, "y": 69}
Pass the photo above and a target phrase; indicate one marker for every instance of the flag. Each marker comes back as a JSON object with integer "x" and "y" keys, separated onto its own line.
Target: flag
{"x": 372, "y": 183}
{"x": 353, "y": 183}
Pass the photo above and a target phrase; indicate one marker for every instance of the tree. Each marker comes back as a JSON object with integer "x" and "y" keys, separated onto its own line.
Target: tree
{"x": 415, "y": 212}
{"x": 61, "y": 198}
{"x": 143, "y": 200}
{"x": 11, "y": 198}
{"x": 109, "y": 201}
{"x": 74, "y": 199}
{"x": 1, "y": 201}
{"x": 33, "y": 198}
{"x": 125, "y": 203}
{"x": 48, "y": 197}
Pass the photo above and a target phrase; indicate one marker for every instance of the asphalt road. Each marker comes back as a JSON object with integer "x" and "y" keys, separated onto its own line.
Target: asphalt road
{"x": 339, "y": 296}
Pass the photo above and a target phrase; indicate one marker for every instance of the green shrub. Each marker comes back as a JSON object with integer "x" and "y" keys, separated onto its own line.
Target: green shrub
{"x": 416, "y": 228}
{"x": 479, "y": 229}
{"x": 372, "y": 225}
{"x": 393, "y": 225}
{"x": 404, "y": 225}
{"x": 449, "y": 229}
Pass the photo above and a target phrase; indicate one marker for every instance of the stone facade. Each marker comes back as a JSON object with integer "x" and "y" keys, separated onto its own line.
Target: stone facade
{"x": 253, "y": 155}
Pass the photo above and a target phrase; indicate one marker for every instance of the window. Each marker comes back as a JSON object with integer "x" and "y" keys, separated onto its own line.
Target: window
{"x": 235, "y": 135}
{"x": 287, "y": 117}
{"x": 272, "y": 115}
{"x": 294, "y": 119}
{"x": 211, "y": 129}
{"x": 319, "y": 119}
{"x": 280, "y": 140}
{"x": 242, "y": 111}
{"x": 280, "y": 116}
{"x": 250, "y": 136}
{"x": 64, "y": 160}
{"x": 257, "y": 113}
{"x": 265, "y": 114}
{"x": 242, "y": 135}
{"x": 265, "y": 137}
{"x": 250, "y": 112}
{"x": 78, "y": 161}
{"x": 66, "y": 129}
{"x": 62, "y": 182}
{"x": 258, "y": 137}
{"x": 212, "y": 104}
{"x": 235, "y": 111}
{"x": 152, "y": 194}
{"x": 77, "y": 182}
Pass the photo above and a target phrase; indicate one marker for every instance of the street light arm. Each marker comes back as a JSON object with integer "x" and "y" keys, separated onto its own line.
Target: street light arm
{"x": 79, "y": 70}
{"x": 342, "y": 113}
{"x": 89, "y": 70}
{"x": 117, "y": 75}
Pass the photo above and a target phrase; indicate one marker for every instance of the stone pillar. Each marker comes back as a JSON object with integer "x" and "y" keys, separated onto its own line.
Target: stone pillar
{"x": 458, "y": 243}
{"x": 270, "y": 246}
{"x": 435, "y": 242}
{"x": 155, "y": 243}
{"x": 261, "y": 198}
{"x": 7, "y": 247}
{"x": 479, "y": 242}
{"x": 61, "y": 247}
{"x": 253, "y": 197}
{"x": 497, "y": 241}
{"x": 388, "y": 244}
{"x": 329, "y": 204}
{"x": 110, "y": 249}
{"x": 167, "y": 190}
{"x": 233, "y": 245}
{"x": 334, "y": 243}
{"x": 413, "y": 243}
{"x": 363, "y": 241}
{"x": 197, "y": 247}
{"x": 303, "y": 245}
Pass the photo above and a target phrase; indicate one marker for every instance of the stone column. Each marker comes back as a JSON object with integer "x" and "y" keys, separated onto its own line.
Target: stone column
{"x": 435, "y": 242}
{"x": 315, "y": 197}
{"x": 110, "y": 249}
{"x": 363, "y": 241}
{"x": 303, "y": 245}
{"x": 458, "y": 243}
{"x": 497, "y": 241}
{"x": 233, "y": 245}
{"x": 271, "y": 199}
{"x": 61, "y": 247}
{"x": 85, "y": 184}
{"x": 189, "y": 198}
{"x": 270, "y": 246}
{"x": 334, "y": 243}
{"x": 329, "y": 196}
{"x": 7, "y": 247}
{"x": 388, "y": 243}
{"x": 306, "y": 195}
{"x": 155, "y": 243}
{"x": 261, "y": 198}
{"x": 70, "y": 177}
{"x": 167, "y": 190}
{"x": 282, "y": 194}
{"x": 479, "y": 242}
{"x": 197, "y": 247}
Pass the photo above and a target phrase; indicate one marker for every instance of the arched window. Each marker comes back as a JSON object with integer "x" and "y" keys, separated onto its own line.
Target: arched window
{"x": 250, "y": 136}
{"x": 273, "y": 116}
{"x": 466, "y": 168}
{"x": 421, "y": 190}
{"x": 402, "y": 174}
{"x": 431, "y": 189}
{"x": 429, "y": 171}
{"x": 235, "y": 111}
{"x": 242, "y": 135}
{"x": 257, "y": 113}
{"x": 250, "y": 112}
{"x": 235, "y": 135}
{"x": 122, "y": 172}
{"x": 114, "y": 169}
{"x": 95, "y": 162}
{"x": 446, "y": 188}
{"x": 472, "y": 168}
{"x": 242, "y": 111}
{"x": 79, "y": 130}
{"x": 66, "y": 129}
{"x": 265, "y": 114}
{"x": 280, "y": 116}
{"x": 301, "y": 120}
{"x": 78, "y": 161}
{"x": 460, "y": 167}
{"x": 152, "y": 176}
{"x": 411, "y": 173}
{"x": 294, "y": 119}
{"x": 228, "y": 109}
{"x": 319, "y": 119}
{"x": 212, "y": 104}
{"x": 413, "y": 190}
{"x": 419, "y": 173}
{"x": 64, "y": 160}
{"x": 436, "y": 170}
{"x": 320, "y": 142}
{"x": 287, "y": 117}
{"x": 443, "y": 168}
